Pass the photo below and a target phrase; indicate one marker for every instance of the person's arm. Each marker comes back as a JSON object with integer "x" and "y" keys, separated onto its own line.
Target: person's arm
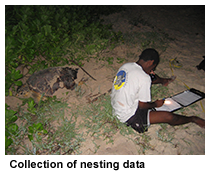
{"x": 164, "y": 81}
{"x": 156, "y": 79}
{"x": 149, "y": 105}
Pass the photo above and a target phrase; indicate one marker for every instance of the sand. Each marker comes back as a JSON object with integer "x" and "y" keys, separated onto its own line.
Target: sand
{"x": 186, "y": 25}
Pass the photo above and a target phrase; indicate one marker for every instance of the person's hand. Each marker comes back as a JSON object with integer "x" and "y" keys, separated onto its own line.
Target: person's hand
{"x": 159, "y": 103}
{"x": 166, "y": 81}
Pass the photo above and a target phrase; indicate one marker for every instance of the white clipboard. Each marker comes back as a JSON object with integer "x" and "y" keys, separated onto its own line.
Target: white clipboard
{"x": 181, "y": 100}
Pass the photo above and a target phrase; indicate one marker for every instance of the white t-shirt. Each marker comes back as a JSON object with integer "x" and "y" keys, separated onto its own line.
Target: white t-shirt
{"x": 130, "y": 86}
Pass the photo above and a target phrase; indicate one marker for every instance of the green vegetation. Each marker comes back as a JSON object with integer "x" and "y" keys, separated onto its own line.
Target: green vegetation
{"x": 44, "y": 125}
{"x": 11, "y": 128}
{"x": 40, "y": 130}
{"x": 37, "y": 37}
{"x": 99, "y": 121}
{"x": 164, "y": 134}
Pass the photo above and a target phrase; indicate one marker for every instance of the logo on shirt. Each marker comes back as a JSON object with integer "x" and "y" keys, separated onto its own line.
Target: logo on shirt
{"x": 119, "y": 80}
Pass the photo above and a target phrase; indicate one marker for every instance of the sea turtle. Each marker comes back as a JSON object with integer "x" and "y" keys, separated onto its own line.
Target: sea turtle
{"x": 46, "y": 82}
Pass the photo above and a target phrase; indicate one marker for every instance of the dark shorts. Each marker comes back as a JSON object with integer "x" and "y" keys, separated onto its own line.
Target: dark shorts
{"x": 139, "y": 121}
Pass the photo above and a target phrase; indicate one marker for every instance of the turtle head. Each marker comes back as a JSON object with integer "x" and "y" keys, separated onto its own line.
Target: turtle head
{"x": 71, "y": 72}
{"x": 23, "y": 91}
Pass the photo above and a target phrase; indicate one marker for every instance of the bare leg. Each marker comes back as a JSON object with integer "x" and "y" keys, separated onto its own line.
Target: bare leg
{"x": 174, "y": 119}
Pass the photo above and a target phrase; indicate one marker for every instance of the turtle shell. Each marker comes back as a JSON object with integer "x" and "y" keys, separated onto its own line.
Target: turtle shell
{"x": 49, "y": 80}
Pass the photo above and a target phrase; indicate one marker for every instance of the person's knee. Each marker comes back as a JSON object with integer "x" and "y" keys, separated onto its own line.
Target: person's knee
{"x": 170, "y": 118}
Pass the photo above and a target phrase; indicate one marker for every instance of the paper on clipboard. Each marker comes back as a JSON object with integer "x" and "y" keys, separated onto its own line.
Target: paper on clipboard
{"x": 169, "y": 105}
{"x": 186, "y": 98}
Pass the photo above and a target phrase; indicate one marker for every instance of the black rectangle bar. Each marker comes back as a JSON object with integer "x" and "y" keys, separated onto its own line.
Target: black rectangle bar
{"x": 77, "y": 165}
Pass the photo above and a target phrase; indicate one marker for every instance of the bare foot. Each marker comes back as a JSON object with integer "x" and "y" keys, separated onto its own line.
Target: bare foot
{"x": 199, "y": 121}
{"x": 166, "y": 81}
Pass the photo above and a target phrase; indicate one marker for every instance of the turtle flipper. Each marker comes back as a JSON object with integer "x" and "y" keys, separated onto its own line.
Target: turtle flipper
{"x": 37, "y": 96}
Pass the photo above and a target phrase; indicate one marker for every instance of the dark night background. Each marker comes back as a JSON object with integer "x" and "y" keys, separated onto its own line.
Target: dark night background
{"x": 188, "y": 19}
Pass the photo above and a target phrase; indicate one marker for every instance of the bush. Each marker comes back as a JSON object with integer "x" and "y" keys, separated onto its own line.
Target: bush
{"x": 11, "y": 128}
{"x": 38, "y": 37}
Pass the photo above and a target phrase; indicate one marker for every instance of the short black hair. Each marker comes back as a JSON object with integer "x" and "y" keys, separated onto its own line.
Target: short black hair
{"x": 150, "y": 54}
